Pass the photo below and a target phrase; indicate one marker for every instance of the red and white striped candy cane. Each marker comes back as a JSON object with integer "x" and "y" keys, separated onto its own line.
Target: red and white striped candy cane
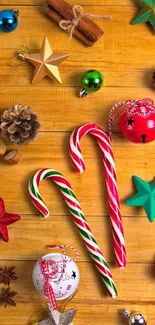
{"x": 110, "y": 176}
{"x": 77, "y": 216}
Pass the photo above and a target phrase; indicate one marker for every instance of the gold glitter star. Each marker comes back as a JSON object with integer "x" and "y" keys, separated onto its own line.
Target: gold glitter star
{"x": 57, "y": 318}
{"x": 46, "y": 62}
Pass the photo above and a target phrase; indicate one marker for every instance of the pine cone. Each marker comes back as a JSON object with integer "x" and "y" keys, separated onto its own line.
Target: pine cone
{"x": 19, "y": 125}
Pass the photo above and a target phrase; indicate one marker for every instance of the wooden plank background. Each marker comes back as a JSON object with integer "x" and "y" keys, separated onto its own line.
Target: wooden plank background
{"x": 126, "y": 57}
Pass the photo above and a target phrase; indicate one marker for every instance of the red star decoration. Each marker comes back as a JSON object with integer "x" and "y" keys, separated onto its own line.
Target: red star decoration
{"x": 5, "y": 220}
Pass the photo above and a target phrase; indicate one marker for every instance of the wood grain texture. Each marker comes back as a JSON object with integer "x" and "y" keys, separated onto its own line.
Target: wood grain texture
{"x": 125, "y": 55}
{"x": 81, "y": 2}
{"x": 101, "y": 313}
{"x": 39, "y": 233}
{"x": 51, "y": 151}
{"x": 141, "y": 273}
{"x": 132, "y": 60}
{"x": 71, "y": 111}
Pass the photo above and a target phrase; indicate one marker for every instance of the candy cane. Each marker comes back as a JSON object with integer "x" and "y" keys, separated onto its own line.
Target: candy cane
{"x": 110, "y": 176}
{"x": 78, "y": 218}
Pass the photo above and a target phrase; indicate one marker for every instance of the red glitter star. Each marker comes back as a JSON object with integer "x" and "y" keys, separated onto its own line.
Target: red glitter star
{"x": 5, "y": 220}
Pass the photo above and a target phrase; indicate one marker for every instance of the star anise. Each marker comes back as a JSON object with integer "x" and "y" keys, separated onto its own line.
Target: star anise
{"x": 7, "y": 274}
{"x": 6, "y": 297}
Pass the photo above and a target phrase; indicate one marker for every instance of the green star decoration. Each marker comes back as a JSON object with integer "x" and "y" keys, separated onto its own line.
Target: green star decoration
{"x": 145, "y": 197}
{"x": 147, "y": 14}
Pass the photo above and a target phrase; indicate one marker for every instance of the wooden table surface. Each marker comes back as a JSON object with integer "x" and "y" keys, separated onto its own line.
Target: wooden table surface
{"x": 126, "y": 56}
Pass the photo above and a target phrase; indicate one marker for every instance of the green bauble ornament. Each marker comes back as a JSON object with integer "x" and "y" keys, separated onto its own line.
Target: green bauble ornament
{"x": 92, "y": 81}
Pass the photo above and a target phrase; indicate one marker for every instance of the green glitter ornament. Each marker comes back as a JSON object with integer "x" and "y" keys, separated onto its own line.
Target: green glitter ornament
{"x": 92, "y": 81}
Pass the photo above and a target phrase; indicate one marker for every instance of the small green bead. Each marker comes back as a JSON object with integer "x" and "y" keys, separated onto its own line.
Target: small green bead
{"x": 92, "y": 80}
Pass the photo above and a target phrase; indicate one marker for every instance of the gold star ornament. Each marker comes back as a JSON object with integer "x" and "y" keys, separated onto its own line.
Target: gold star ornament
{"x": 57, "y": 318}
{"x": 46, "y": 62}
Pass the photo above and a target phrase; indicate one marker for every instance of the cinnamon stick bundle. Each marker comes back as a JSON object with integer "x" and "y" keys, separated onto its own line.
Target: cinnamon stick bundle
{"x": 86, "y": 30}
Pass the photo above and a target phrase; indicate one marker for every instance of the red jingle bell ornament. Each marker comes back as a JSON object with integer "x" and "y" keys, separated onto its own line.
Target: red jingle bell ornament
{"x": 137, "y": 121}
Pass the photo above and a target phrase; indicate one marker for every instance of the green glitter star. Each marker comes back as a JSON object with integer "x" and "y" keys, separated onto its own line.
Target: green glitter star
{"x": 145, "y": 197}
{"x": 147, "y": 14}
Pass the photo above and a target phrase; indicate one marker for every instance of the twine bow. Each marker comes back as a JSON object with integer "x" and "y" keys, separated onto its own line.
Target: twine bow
{"x": 78, "y": 13}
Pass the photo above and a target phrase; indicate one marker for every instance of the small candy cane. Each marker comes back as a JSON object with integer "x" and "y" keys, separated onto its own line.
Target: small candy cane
{"x": 77, "y": 216}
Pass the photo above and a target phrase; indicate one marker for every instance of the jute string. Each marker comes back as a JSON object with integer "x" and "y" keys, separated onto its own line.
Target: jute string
{"x": 78, "y": 13}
